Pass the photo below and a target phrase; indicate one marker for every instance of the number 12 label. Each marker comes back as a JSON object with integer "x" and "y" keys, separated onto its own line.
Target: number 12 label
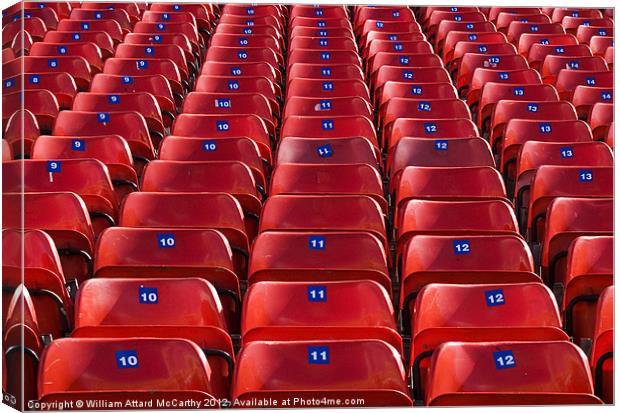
{"x": 504, "y": 359}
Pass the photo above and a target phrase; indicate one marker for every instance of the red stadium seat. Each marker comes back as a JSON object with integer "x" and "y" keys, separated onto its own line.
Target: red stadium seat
{"x": 320, "y": 43}
{"x": 61, "y": 85}
{"x": 456, "y": 36}
{"x": 157, "y": 51}
{"x": 538, "y": 52}
{"x": 241, "y": 85}
{"x": 599, "y": 44}
{"x": 34, "y": 26}
{"x": 380, "y": 380}
{"x": 47, "y": 14}
{"x": 319, "y": 311}
{"x": 600, "y": 119}
{"x": 559, "y": 13}
{"x": 434, "y": 128}
{"x": 516, "y": 29}
{"x": 342, "y": 106}
{"x": 391, "y": 89}
{"x": 65, "y": 219}
{"x": 552, "y": 64}
{"x": 331, "y": 88}
{"x": 326, "y": 72}
{"x": 585, "y": 33}
{"x": 527, "y": 40}
{"x": 101, "y": 39}
{"x": 21, "y": 130}
{"x": 567, "y": 80}
{"x": 168, "y": 369}
{"x": 471, "y": 61}
{"x": 333, "y": 127}
{"x": 118, "y": 14}
{"x": 509, "y": 373}
{"x": 120, "y": 315}
{"x": 601, "y": 359}
{"x": 87, "y": 50}
{"x": 504, "y": 19}
{"x": 41, "y": 103}
{"x": 585, "y": 97}
{"x": 76, "y": 66}
{"x": 112, "y": 27}
{"x": 354, "y": 150}
{"x": 423, "y": 109}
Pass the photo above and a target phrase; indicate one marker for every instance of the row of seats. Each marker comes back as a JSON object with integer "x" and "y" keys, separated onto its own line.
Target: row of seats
{"x": 331, "y": 186}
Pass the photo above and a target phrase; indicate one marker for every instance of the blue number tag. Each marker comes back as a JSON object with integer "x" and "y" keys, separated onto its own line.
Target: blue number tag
{"x": 127, "y": 359}
{"x": 62, "y": 49}
{"x": 494, "y": 298}
{"x": 416, "y": 90}
{"x": 161, "y": 27}
{"x": 573, "y": 64}
{"x": 328, "y": 85}
{"x": 98, "y": 16}
{"x": 472, "y": 37}
{"x": 534, "y": 28}
{"x": 209, "y": 146}
{"x": 242, "y": 54}
{"x": 494, "y": 60}
{"x": 53, "y": 166}
{"x": 323, "y": 42}
{"x": 326, "y": 56}
{"x": 114, "y": 99}
{"x": 176, "y": 7}
{"x": 504, "y": 75}
{"x": 398, "y": 47}
{"x": 147, "y": 295}
{"x": 404, "y": 60}
{"x": 524, "y": 20}
{"x": 149, "y": 51}
{"x": 379, "y": 25}
{"x": 458, "y": 18}
{"x": 9, "y": 83}
{"x": 327, "y": 124}
{"x": 317, "y": 293}
{"x": 566, "y": 152}
{"x": 544, "y": 41}
{"x": 518, "y": 91}
{"x": 249, "y": 11}
{"x": 222, "y": 126}
{"x": 430, "y": 127}
{"x": 243, "y": 41}
{"x": 396, "y": 13}
{"x": 469, "y": 26}
{"x": 103, "y": 117}
{"x": 544, "y": 128}
{"x": 233, "y": 85}
{"x": 326, "y": 71}
{"x": 318, "y": 12}
{"x": 53, "y": 63}
{"x": 325, "y": 151}
{"x": 165, "y": 16}
{"x": 606, "y": 95}
{"x": 532, "y": 107}
{"x": 559, "y": 50}
{"x": 575, "y": 14}
{"x": 407, "y": 74}
{"x": 441, "y": 145}
{"x": 316, "y": 242}
{"x": 318, "y": 354}
{"x": 166, "y": 240}
{"x": 392, "y": 37}
{"x": 157, "y": 38}
{"x": 76, "y": 36}
{"x": 126, "y": 80}
{"x": 323, "y": 33}
{"x": 585, "y": 175}
{"x": 78, "y": 145}
{"x": 424, "y": 107}
{"x": 504, "y": 359}
{"x": 326, "y": 104}
{"x": 461, "y": 246}
{"x": 482, "y": 48}
{"x": 247, "y": 30}
{"x": 222, "y": 103}
{"x": 142, "y": 64}
{"x": 320, "y": 23}
{"x": 590, "y": 81}
{"x": 85, "y": 26}
{"x": 236, "y": 71}
{"x": 602, "y": 32}
{"x": 454, "y": 9}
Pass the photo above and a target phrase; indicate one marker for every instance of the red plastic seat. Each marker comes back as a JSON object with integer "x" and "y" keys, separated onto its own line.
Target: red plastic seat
{"x": 241, "y": 85}
{"x": 482, "y": 76}
{"x": 601, "y": 117}
{"x": 382, "y": 13}
{"x": 567, "y": 80}
{"x": 551, "y": 181}
{"x": 21, "y": 130}
{"x": 23, "y": 347}
{"x": 76, "y": 66}
{"x": 585, "y": 97}
{"x": 118, "y": 14}
{"x": 130, "y": 125}
{"x": 471, "y": 61}
{"x": 34, "y": 26}
{"x": 446, "y": 26}
{"x": 294, "y": 179}
{"x": 318, "y": 369}
{"x": 601, "y": 359}
{"x": 456, "y": 36}
{"x": 559, "y": 13}
{"x": 42, "y": 276}
{"x": 504, "y": 19}
{"x": 455, "y": 152}
{"x": 88, "y": 178}
{"x": 509, "y": 373}
{"x": 242, "y": 149}
{"x": 178, "y": 39}
{"x": 585, "y": 33}
{"x": 534, "y": 154}
{"x": 139, "y": 368}
{"x": 177, "y": 16}
{"x": 101, "y": 39}
{"x": 354, "y": 150}
{"x": 572, "y": 23}
{"x": 157, "y": 51}
{"x": 157, "y": 85}
{"x": 41, "y": 103}
{"x": 464, "y": 47}
{"x": 331, "y": 88}
{"x": 303, "y": 256}
{"x": 599, "y": 44}
{"x": 256, "y": 40}
{"x": 589, "y": 270}
{"x": 46, "y": 14}
{"x": 455, "y": 183}
{"x": 404, "y": 47}
{"x": 327, "y": 11}
{"x": 333, "y": 127}
{"x": 323, "y": 213}
{"x": 517, "y": 28}
{"x": 538, "y": 52}
{"x": 552, "y": 64}
{"x": 261, "y": 30}
{"x": 435, "y": 128}
{"x": 505, "y": 110}
{"x": 169, "y": 253}
{"x": 232, "y": 177}
{"x": 258, "y": 69}
{"x": 326, "y": 72}
{"x": 87, "y": 50}
{"x": 65, "y": 219}
{"x": 243, "y": 54}
{"x": 343, "y": 106}
{"x": 112, "y": 27}
{"x": 391, "y": 89}
{"x": 527, "y": 40}
{"x": 404, "y": 36}
{"x": 61, "y": 85}
{"x": 496, "y": 312}
{"x": 437, "y": 16}
{"x": 312, "y": 56}
{"x": 413, "y": 75}
{"x": 320, "y": 43}
{"x": 181, "y": 27}
{"x": 112, "y": 150}
{"x": 344, "y": 310}
{"x": 567, "y": 219}
{"x": 177, "y": 308}
{"x": 402, "y": 60}
{"x": 218, "y": 127}
{"x": 218, "y": 211}
{"x": 203, "y": 13}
